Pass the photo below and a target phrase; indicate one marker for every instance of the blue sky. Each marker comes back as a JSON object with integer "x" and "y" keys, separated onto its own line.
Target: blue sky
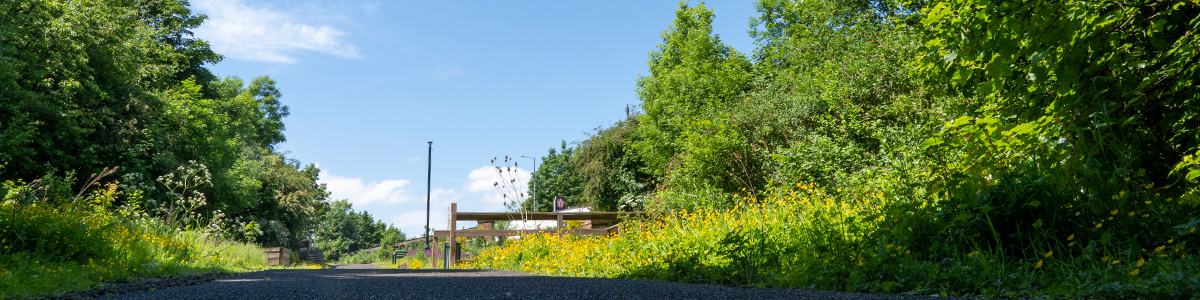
{"x": 370, "y": 82}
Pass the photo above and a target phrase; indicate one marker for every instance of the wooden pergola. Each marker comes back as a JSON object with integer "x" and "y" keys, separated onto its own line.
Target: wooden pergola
{"x": 561, "y": 217}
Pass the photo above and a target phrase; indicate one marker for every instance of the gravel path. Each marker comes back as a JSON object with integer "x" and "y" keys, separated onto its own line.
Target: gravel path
{"x": 461, "y": 284}
{"x": 362, "y": 266}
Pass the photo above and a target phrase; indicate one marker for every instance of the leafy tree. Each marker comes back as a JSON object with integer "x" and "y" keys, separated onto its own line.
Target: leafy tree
{"x": 1090, "y": 103}
{"x": 343, "y": 229}
{"x": 693, "y": 76}
{"x": 611, "y": 173}
{"x": 832, "y": 104}
{"x": 89, "y": 85}
{"x": 556, "y": 177}
{"x": 824, "y": 102}
{"x": 391, "y": 236}
{"x": 75, "y": 81}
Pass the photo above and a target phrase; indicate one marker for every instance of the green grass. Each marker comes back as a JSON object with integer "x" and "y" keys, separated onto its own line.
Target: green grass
{"x": 804, "y": 238}
{"x": 49, "y": 249}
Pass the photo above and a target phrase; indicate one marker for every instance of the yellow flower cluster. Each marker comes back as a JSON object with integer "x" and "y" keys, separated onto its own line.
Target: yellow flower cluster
{"x": 796, "y": 216}
{"x": 93, "y": 245}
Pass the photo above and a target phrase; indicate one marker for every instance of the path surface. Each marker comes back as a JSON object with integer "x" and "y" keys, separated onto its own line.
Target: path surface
{"x": 362, "y": 266}
{"x": 345, "y": 283}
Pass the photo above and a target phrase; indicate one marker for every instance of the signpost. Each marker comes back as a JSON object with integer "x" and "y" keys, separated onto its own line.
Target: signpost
{"x": 560, "y": 203}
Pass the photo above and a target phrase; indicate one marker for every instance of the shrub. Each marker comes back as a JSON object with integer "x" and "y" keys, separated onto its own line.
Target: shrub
{"x": 53, "y": 245}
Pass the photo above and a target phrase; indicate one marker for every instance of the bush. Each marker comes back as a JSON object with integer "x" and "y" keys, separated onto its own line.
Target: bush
{"x": 361, "y": 257}
{"x": 803, "y": 237}
{"x": 53, "y": 245}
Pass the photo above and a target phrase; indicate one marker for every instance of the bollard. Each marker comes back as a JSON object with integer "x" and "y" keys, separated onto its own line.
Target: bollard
{"x": 446, "y": 256}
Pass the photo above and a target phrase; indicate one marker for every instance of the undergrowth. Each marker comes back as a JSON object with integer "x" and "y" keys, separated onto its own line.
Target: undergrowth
{"x": 802, "y": 237}
{"x": 54, "y": 244}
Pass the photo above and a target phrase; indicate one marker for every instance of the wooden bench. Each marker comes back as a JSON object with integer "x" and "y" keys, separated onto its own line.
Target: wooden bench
{"x": 561, "y": 217}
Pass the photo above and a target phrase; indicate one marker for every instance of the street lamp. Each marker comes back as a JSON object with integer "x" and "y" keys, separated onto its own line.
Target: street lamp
{"x": 534, "y": 176}
{"x": 428, "y": 185}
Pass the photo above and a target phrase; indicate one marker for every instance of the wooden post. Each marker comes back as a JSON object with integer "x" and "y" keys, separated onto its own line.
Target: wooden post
{"x": 453, "y": 242}
{"x": 433, "y": 259}
{"x": 560, "y": 222}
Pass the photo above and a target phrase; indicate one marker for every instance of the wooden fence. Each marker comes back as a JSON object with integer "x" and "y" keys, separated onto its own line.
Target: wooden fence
{"x": 561, "y": 217}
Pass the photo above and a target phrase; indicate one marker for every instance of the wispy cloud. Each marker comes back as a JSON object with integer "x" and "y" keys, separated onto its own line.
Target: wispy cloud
{"x": 240, "y": 31}
{"x": 412, "y": 222}
{"x": 360, "y": 194}
{"x": 391, "y": 202}
{"x": 485, "y": 180}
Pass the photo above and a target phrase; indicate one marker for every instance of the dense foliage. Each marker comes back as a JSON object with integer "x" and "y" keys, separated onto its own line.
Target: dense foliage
{"x": 959, "y": 147}
{"x": 122, "y": 155}
{"x": 1094, "y": 115}
{"x": 555, "y": 177}
{"x": 91, "y": 85}
{"x": 80, "y": 240}
{"x": 344, "y": 230}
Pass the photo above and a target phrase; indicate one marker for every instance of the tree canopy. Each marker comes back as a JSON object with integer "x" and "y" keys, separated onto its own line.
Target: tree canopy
{"x": 92, "y": 85}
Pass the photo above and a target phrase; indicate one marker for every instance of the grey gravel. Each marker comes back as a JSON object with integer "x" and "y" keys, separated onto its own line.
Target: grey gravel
{"x": 142, "y": 284}
{"x": 362, "y": 266}
{"x": 342, "y": 283}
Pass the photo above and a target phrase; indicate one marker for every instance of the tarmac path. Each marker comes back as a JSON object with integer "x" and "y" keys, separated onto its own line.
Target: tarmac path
{"x": 364, "y": 282}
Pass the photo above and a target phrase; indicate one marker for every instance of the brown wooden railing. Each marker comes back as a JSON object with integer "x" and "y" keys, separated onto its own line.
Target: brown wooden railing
{"x": 561, "y": 217}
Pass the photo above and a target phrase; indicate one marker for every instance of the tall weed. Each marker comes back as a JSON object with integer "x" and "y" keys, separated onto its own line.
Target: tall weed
{"x": 53, "y": 245}
{"x": 803, "y": 237}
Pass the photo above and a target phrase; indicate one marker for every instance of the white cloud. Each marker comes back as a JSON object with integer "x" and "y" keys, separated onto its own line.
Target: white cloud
{"x": 412, "y": 222}
{"x": 262, "y": 34}
{"x": 392, "y": 203}
{"x": 360, "y": 194}
{"x": 499, "y": 185}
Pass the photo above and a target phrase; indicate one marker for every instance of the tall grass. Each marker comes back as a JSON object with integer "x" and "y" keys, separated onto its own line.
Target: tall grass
{"x": 802, "y": 237}
{"x": 56, "y": 246}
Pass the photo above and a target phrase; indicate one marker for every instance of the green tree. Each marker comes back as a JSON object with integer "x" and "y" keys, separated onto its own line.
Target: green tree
{"x": 89, "y": 85}
{"x": 1084, "y": 102}
{"x": 343, "y": 229}
{"x": 835, "y": 102}
{"x": 556, "y": 177}
{"x": 75, "y": 80}
{"x": 391, "y": 236}
{"x": 693, "y": 77}
{"x": 612, "y": 174}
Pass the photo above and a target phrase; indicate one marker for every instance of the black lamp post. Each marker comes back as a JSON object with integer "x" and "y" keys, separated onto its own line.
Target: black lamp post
{"x": 428, "y": 185}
